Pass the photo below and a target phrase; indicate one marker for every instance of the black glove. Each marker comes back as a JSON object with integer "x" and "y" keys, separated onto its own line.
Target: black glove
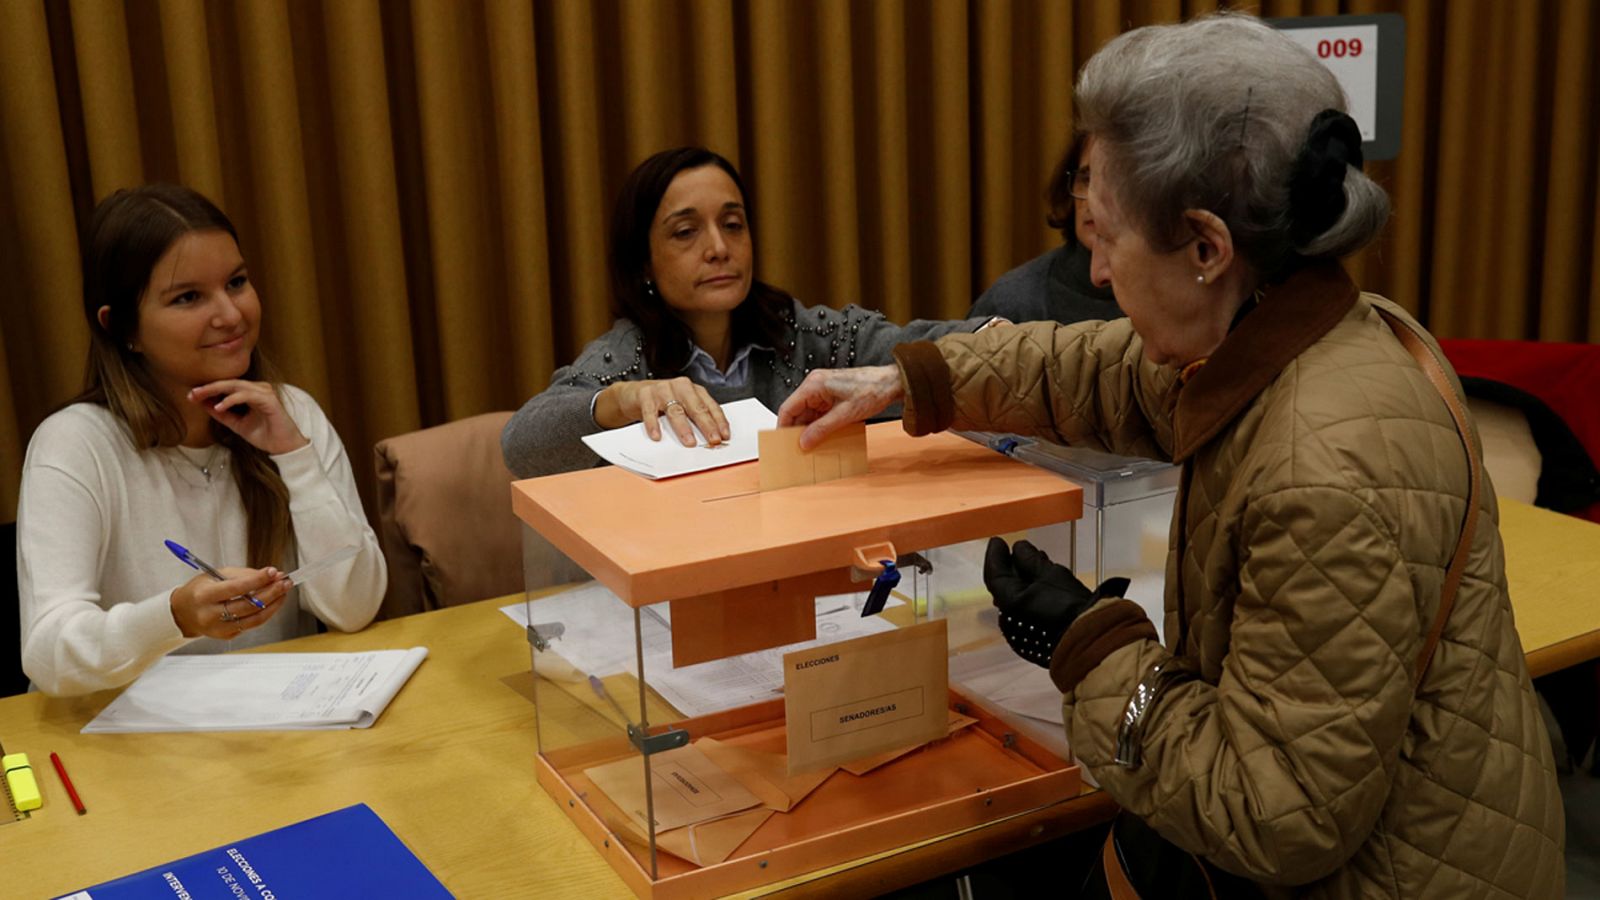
{"x": 1038, "y": 599}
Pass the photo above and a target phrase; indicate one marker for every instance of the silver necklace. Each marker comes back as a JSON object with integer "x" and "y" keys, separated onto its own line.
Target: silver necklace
{"x": 210, "y": 463}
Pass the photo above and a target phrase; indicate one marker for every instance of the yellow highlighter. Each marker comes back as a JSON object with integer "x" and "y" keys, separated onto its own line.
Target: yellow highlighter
{"x": 19, "y": 778}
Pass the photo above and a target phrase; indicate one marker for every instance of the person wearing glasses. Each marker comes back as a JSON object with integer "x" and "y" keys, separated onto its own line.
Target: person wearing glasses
{"x": 1341, "y": 707}
{"x": 1056, "y": 286}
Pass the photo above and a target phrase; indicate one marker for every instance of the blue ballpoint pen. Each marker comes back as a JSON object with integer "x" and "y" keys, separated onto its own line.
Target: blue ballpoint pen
{"x": 182, "y": 552}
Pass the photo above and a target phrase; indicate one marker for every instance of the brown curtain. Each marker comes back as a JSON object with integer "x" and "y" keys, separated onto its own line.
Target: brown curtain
{"x": 422, "y": 187}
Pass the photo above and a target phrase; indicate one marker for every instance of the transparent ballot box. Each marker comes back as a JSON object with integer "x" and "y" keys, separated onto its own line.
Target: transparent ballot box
{"x": 725, "y": 705}
{"x": 1127, "y": 514}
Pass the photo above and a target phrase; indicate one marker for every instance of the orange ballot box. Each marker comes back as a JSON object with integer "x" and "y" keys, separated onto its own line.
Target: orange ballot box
{"x": 759, "y": 684}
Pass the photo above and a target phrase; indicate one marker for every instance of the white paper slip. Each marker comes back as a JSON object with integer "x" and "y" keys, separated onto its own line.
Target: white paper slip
{"x": 997, "y": 674}
{"x": 260, "y": 692}
{"x": 631, "y": 448}
{"x": 298, "y": 576}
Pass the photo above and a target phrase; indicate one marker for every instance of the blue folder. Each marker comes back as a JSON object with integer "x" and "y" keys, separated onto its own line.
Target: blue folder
{"x": 346, "y": 853}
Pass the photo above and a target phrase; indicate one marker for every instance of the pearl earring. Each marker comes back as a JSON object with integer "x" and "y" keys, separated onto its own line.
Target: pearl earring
{"x": 650, "y": 287}
{"x": 1200, "y": 279}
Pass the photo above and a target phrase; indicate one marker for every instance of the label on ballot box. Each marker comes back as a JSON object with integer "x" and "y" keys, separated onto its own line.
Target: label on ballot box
{"x": 345, "y": 853}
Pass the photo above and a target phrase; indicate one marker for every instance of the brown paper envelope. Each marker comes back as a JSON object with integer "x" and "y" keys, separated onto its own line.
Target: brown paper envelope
{"x": 765, "y": 774}
{"x": 688, "y": 788}
{"x": 855, "y": 698}
{"x": 708, "y": 843}
{"x": 783, "y": 464}
{"x": 863, "y": 766}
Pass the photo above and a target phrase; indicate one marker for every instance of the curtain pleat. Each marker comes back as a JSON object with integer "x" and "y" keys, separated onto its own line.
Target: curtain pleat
{"x": 423, "y": 187}
{"x": 186, "y": 44}
{"x": 785, "y": 210}
{"x": 42, "y": 321}
{"x": 887, "y": 195}
{"x": 709, "y": 69}
{"x": 522, "y": 214}
{"x": 840, "y": 193}
{"x": 941, "y": 204}
{"x": 574, "y": 175}
{"x": 995, "y": 134}
{"x": 1570, "y": 213}
{"x": 105, "y": 81}
{"x": 284, "y": 234}
{"x": 371, "y": 319}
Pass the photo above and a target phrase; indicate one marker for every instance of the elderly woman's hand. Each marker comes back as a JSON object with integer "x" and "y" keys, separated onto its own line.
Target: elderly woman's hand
{"x": 829, "y": 399}
{"x": 1038, "y": 599}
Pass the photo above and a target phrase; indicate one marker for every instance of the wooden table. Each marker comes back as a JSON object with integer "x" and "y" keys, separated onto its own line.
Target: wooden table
{"x": 1553, "y": 568}
{"x": 450, "y": 768}
{"x": 450, "y": 765}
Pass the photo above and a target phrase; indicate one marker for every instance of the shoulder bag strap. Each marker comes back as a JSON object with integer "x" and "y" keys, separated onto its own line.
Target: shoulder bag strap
{"x": 1412, "y": 341}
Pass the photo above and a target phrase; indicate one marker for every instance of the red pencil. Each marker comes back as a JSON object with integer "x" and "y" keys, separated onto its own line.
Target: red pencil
{"x": 67, "y": 783}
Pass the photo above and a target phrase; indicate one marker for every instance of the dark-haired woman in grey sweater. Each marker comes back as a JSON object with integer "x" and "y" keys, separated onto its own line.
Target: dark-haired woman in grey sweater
{"x": 695, "y": 329}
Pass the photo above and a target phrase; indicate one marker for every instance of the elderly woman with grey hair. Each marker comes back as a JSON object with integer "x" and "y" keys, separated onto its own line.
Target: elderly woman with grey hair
{"x": 1342, "y": 707}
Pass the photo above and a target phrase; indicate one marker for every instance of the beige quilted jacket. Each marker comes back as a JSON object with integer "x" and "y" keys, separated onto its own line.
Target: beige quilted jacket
{"x": 1324, "y": 486}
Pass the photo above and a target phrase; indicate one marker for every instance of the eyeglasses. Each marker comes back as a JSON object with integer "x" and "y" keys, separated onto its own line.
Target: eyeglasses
{"x": 1079, "y": 184}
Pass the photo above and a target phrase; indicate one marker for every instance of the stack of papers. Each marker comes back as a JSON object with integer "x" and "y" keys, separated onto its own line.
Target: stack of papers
{"x": 629, "y": 447}
{"x": 260, "y": 692}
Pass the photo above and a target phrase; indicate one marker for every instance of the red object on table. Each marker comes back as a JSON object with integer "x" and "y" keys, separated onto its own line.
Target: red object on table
{"x": 67, "y": 783}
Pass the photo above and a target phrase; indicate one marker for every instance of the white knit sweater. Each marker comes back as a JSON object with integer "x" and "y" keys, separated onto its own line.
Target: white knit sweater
{"x": 95, "y": 579}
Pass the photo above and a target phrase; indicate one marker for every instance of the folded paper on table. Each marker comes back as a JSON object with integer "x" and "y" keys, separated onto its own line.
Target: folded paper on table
{"x": 260, "y": 692}
{"x": 631, "y": 448}
{"x": 764, "y": 774}
{"x": 860, "y": 697}
{"x": 867, "y": 764}
{"x": 686, "y": 786}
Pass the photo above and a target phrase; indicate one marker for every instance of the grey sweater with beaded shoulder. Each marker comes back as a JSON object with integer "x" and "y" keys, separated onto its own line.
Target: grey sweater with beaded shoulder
{"x": 544, "y": 436}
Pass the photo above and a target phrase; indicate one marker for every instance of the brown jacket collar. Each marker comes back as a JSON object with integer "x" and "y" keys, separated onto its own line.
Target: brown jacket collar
{"x": 1290, "y": 317}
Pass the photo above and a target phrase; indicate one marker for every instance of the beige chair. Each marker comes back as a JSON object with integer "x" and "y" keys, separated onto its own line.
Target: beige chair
{"x": 1509, "y": 453}
{"x": 445, "y": 520}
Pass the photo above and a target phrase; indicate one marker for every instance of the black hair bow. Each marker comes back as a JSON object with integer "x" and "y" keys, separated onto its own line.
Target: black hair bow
{"x": 1316, "y": 190}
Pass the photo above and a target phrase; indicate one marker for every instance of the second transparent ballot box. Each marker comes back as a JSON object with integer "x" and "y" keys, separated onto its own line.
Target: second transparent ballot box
{"x": 757, "y": 684}
{"x": 1127, "y": 514}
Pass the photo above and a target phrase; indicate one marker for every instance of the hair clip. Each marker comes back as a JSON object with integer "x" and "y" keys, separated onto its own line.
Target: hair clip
{"x": 1244, "y": 119}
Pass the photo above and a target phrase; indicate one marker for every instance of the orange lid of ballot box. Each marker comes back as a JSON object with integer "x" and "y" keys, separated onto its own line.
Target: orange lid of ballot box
{"x": 652, "y": 541}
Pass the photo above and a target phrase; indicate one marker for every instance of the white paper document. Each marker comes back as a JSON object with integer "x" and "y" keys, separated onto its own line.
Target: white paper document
{"x": 260, "y": 692}
{"x": 631, "y": 448}
{"x": 597, "y": 639}
{"x": 998, "y": 675}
